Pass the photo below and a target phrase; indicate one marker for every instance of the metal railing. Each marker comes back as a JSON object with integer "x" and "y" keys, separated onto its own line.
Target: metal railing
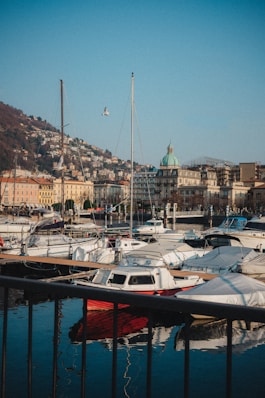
{"x": 153, "y": 304}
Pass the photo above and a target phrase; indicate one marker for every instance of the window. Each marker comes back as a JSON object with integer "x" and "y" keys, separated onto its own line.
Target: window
{"x": 141, "y": 280}
{"x": 118, "y": 279}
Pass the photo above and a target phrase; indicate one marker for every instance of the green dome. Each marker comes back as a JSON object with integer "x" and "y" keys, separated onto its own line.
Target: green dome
{"x": 169, "y": 159}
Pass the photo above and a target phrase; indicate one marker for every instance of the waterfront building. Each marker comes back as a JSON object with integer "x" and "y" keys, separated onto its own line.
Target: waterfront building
{"x": 202, "y": 186}
{"x": 192, "y": 188}
{"x": 111, "y": 193}
{"x": 144, "y": 188}
{"x": 257, "y": 198}
{"x": 45, "y": 189}
{"x": 78, "y": 191}
{"x": 19, "y": 191}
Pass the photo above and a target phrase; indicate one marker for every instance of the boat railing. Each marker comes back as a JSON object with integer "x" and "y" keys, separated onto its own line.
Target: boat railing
{"x": 154, "y": 304}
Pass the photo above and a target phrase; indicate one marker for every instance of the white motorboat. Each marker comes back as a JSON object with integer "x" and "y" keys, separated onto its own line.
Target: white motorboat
{"x": 256, "y": 223}
{"x": 136, "y": 279}
{"x": 161, "y": 253}
{"x": 108, "y": 254}
{"x": 19, "y": 227}
{"x": 150, "y": 227}
{"x": 59, "y": 245}
{"x": 231, "y": 288}
{"x": 83, "y": 227}
{"x": 231, "y": 223}
{"x": 254, "y": 267}
{"x": 252, "y": 235}
{"x": 220, "y": 260}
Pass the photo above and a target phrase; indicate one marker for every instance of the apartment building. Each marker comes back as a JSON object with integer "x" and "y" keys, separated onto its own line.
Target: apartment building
{"x": 19, "y": 191}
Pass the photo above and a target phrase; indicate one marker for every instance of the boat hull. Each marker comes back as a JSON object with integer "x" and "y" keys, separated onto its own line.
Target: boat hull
{"x": 97, "y": 305}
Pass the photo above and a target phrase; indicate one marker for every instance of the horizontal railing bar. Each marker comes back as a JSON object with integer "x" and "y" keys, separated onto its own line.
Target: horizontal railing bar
{"x": 157, "y": 303}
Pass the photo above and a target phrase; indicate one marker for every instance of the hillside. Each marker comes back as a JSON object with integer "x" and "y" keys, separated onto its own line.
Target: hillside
{"x": 31, "y": 143}
{"x": 16, "y": 131}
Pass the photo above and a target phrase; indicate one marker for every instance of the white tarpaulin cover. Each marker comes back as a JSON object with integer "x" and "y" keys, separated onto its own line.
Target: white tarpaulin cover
{"x": 232, "y": 288}
{"x": 254, "y": 266}
{"x": 220, "y": 260}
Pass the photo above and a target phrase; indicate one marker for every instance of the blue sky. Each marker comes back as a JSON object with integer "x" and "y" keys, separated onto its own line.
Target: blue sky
{"x": 199, "y": 68}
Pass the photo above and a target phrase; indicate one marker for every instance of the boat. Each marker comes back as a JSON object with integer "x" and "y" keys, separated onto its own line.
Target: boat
{"x": 168, "y": 253}
{"x": 219, "y": 260}
{"x": 19, "y": 227}
{"x": 219, "y": 236}
{"x": 254, "y": 267}
{"x": 150, "y": 227}
{"x": 88, "y": 227}
{"x": 58, "y": 245}
{"x": 109, "y": 253}
{"x": 252, "y": 235}
{"x": 230, "y": 288}
{"x": 229, "y": 224}
{"x": 135, "y": 279}
{"x": 213, "y": 240}
{"x": 256, "y": 223}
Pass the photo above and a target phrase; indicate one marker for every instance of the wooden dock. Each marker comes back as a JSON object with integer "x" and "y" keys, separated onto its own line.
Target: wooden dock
{"x": 12, "y": 258}
{"x": 5, "y": 259}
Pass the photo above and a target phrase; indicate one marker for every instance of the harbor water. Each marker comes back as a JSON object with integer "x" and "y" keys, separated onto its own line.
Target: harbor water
{"x": 207, "y": 355}
{"x": 207, "y": 373}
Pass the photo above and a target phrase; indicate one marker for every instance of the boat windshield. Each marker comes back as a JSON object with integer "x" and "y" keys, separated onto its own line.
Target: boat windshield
{"x": 234, "y": 222}
{"x": 141, "y": 280}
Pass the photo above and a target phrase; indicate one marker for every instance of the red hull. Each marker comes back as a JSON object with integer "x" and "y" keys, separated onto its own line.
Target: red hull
{"x": 96, "y": 305}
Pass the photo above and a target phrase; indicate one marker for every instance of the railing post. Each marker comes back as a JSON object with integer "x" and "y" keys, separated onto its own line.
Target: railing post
{"x": 149, "y": 357}
{"x": 55, "y": 346}
{"x": 4, "y": 340}
{"x": 84, "y": 335}
{"x": 114, "y": 351}
{"x": 30, "y": 347}
{"x": 187, "y": 356}
{"x": 229, "y": 359}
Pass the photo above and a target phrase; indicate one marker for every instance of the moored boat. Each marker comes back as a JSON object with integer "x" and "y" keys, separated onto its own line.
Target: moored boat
{"x": 150, "y": 227}
{"x": 230, "y": 288}
{"x": 137, "y": 279}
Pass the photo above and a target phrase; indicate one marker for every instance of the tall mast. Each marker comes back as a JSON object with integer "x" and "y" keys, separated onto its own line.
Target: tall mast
{"x": 62, "y": 148}
{"x": 132, "y": 151}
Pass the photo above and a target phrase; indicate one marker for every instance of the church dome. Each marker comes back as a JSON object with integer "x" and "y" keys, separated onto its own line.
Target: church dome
{"x": 169, "y": 159}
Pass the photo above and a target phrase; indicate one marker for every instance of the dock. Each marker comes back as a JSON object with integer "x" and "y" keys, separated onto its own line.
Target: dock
{"x": 5, "y": 259}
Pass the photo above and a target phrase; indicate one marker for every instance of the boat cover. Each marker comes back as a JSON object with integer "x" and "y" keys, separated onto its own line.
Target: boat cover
{"x": 219, "y": 260}
{"x": 255, "y": 266}
{"x": 232, "y": 288}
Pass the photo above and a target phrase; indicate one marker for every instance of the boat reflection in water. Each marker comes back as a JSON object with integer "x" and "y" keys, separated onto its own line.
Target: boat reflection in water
{"x": 210, "y": 336}
{"x": 132, "y": 341}
{"x": 132, "y": 328}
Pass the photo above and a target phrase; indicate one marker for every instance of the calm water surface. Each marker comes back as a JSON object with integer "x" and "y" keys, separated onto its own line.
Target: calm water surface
{"x": 207, "y": 356}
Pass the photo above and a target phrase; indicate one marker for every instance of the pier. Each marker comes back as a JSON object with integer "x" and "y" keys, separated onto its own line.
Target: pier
{"x": 6, "y": 259}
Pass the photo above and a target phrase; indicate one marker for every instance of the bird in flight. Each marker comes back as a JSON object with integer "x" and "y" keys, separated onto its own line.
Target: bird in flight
{"x": 105, "y": 112}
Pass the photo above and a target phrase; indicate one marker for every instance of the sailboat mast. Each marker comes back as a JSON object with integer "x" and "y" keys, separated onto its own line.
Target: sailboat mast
{"x": 62, "y": 148}
{"x": 132, "y": 152}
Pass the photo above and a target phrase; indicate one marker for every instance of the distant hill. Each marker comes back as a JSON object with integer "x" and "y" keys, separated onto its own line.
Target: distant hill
{"x": 34, "y": 145}
{"x": 15, "y": 129}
